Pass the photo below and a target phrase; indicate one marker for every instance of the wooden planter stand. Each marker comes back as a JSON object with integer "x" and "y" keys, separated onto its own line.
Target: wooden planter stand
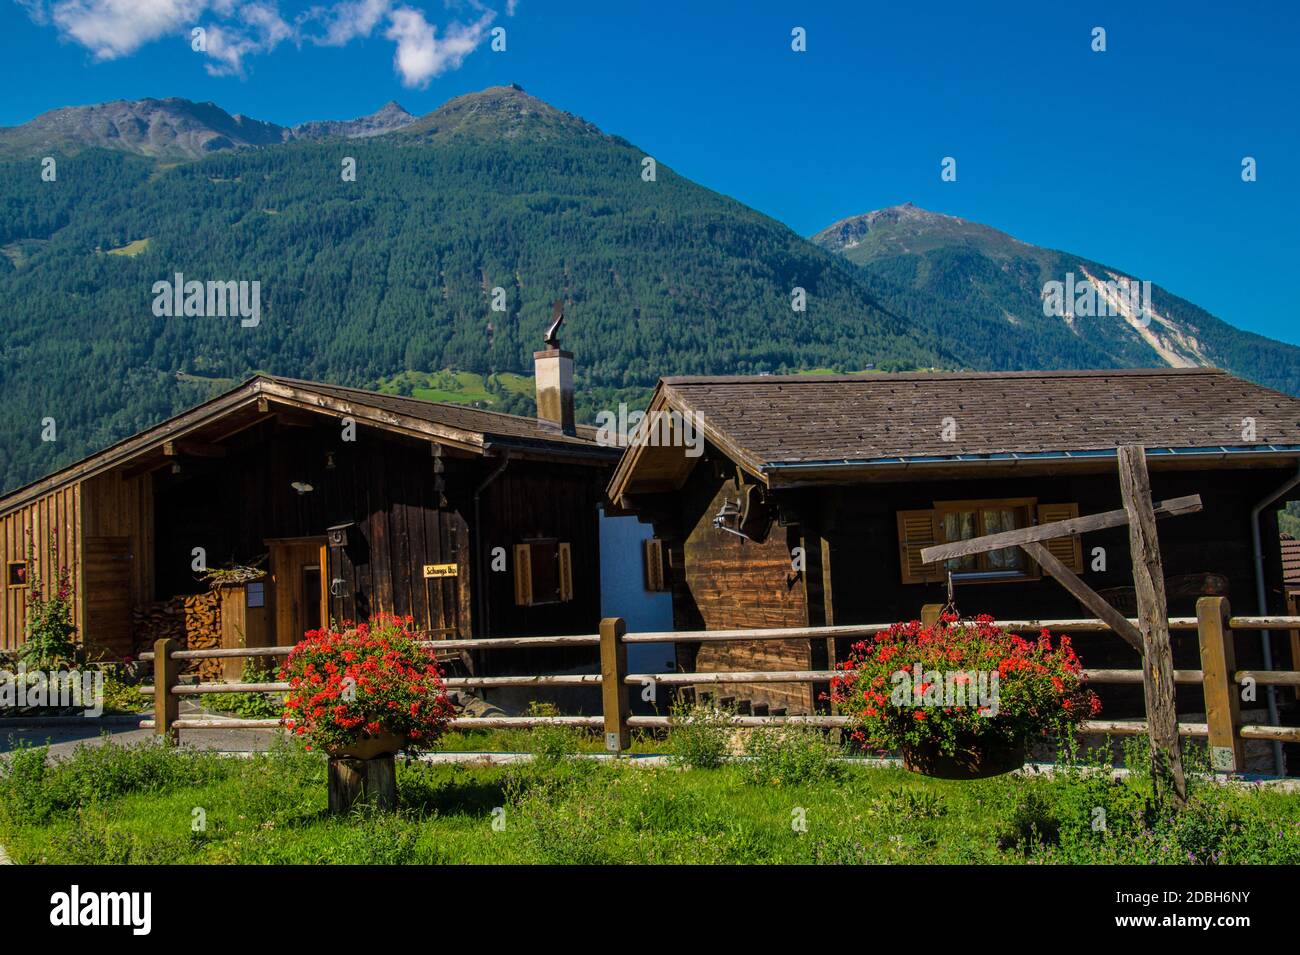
{"x": 353, "y": 782}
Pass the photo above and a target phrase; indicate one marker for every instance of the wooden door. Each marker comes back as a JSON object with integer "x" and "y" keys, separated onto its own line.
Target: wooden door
{"x": 299, "y": 587}
{"x": 108, "y": 595}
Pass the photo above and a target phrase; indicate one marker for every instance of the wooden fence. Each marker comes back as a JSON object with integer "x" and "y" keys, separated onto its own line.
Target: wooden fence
{"x": 1220, "y": 679}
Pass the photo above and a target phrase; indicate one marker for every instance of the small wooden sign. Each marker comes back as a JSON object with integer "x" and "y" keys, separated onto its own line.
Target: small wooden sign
{"x": 439, "y": 570}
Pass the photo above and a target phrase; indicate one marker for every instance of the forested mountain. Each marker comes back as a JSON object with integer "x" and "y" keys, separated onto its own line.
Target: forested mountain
{"x": 362, "y": 280}
{"x": 387, "y": 278}
{"x": 983, "y": 288}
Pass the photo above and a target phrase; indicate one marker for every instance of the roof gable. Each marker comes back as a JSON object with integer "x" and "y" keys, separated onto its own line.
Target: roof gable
{"x": 469, "y": 429}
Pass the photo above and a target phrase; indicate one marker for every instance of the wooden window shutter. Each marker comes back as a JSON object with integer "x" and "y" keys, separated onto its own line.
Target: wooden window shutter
{"x": 523, "y": 575}
{"x": 653, "y": 552}
{"x": 1068, "y": 550}
{"x": 918, "y": 529}
{"x": 566, "y": 572}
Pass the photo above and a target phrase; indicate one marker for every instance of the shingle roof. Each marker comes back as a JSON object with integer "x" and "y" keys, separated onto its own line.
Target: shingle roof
{"x": 478, "y": 429}
{"x": 790, "y": 419}
{"x": 1291, "y": 562}
{"x": 491, "y": 424}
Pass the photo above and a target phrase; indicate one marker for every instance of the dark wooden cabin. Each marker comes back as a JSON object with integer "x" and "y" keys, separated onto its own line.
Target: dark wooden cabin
{"x": 855, "y": 474}
{"x": 472, "y": 522}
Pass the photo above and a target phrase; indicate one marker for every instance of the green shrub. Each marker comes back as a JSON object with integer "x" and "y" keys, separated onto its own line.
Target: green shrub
{"x": 250, "y": 706}
{"x": 1031, "y": 825}
{"x": 699, "y": 735}
{"x": 907, "y": 805}
{"x": 32, "y": 789}
{"x": 790, "y": 755}
{"x": 551, "y": 742}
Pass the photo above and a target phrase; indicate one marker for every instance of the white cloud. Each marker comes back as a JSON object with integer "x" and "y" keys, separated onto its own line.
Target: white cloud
{"x": 349, "y": 20}
{"x": 116, "y": 28}
{"x": 421, "y": 55}
{"x": 238, "y": 29}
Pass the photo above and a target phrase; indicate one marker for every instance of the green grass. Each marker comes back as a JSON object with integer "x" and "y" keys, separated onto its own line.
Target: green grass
{"x": 148, "y": 804}
{"x": 131, "y": 249}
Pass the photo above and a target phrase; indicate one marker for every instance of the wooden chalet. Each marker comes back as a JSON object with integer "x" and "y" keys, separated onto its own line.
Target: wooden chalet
{"x": 473, "y": 522}
{"x": 814, "y": 496}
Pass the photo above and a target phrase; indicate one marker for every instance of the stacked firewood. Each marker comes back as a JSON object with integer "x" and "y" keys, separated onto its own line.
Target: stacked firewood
{"x": 193, "y": 621}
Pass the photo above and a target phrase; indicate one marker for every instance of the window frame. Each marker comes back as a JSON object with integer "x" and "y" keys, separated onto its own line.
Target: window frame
{"x": 1028, "y": 508}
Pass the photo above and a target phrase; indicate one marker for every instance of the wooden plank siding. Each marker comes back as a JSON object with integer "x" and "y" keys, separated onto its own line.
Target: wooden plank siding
{"x": 734, "y": 583}
{"x": 60, "y": 512}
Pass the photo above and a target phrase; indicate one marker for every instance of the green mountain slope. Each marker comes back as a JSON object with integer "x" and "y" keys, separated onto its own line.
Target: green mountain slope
{"x": 982, "y": 290}
{"x": 361, "y": 281}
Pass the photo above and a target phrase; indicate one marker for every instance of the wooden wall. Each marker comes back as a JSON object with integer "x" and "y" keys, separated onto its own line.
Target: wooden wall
{"x": 60, "y": 512}
{"x": 722, "y": 582}
{"x": 853, "y": 576}
{"x": 865, "y": 575}
{"x": 404, "y": 514}
{"x": 540, "y": 500}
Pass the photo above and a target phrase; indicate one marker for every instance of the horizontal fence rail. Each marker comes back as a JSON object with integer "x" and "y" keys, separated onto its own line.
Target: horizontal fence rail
{"x": 1214, "y": 625}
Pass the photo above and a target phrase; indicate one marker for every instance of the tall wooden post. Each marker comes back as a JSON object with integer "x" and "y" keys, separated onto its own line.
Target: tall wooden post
{"x": 1153, "y": 622}
{"x": 166, "y": 674}
{"x": 613, "y": 694}
{"x": 1222, "y": 697}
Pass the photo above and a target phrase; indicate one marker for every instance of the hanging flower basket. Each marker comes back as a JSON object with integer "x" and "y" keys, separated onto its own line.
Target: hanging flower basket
{"x": 960, "y": 699}
{"x": 971, "y": 758}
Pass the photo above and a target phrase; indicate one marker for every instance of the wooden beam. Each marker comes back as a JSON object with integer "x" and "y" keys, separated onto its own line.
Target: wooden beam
{"x": 1153, "y": 621}
{"x": 1075, "y": 525}
{"x": 1085, "y": 594}
{"x": 193, "y": 449}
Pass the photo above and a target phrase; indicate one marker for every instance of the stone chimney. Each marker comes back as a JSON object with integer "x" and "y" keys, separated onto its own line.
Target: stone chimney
{"x": 554, "y": 377}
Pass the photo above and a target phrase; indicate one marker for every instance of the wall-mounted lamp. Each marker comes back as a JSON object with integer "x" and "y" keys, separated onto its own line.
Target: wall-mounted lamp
{"x": 329, "y": 460}
{"x": 302, "y": 487}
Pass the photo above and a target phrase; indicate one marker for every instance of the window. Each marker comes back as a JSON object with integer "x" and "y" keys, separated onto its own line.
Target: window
{"x": 963, "y": 520}
{"x": 950, "y": 521}
{"x": 16, "y": 573}
{"x": 543, "y": 572}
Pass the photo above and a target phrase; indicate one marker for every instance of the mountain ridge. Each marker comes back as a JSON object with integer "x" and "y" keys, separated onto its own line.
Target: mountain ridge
{"x": 984, "y": 279}
{"x": 174, "y": 128}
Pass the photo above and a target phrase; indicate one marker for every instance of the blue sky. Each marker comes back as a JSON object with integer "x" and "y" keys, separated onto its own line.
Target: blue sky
{"x": 1131, "y": 157}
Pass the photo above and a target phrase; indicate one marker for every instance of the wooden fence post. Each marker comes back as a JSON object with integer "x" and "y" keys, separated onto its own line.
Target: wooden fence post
{"x": 1222, "y": 699}
{"x": 166, "y": 704}
{"x": 930, "y": 614}
{"x": 613, "y": 694}
{"x": 1153, "y": 622}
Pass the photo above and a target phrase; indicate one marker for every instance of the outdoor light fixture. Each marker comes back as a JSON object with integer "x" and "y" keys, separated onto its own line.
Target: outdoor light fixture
{"x": 176, "y": 467}
{"x": 329, "y": 460}
{"x": 336, "y": 587}
{"x": 728, "y": 515}
{"x": 302, "y": 487}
